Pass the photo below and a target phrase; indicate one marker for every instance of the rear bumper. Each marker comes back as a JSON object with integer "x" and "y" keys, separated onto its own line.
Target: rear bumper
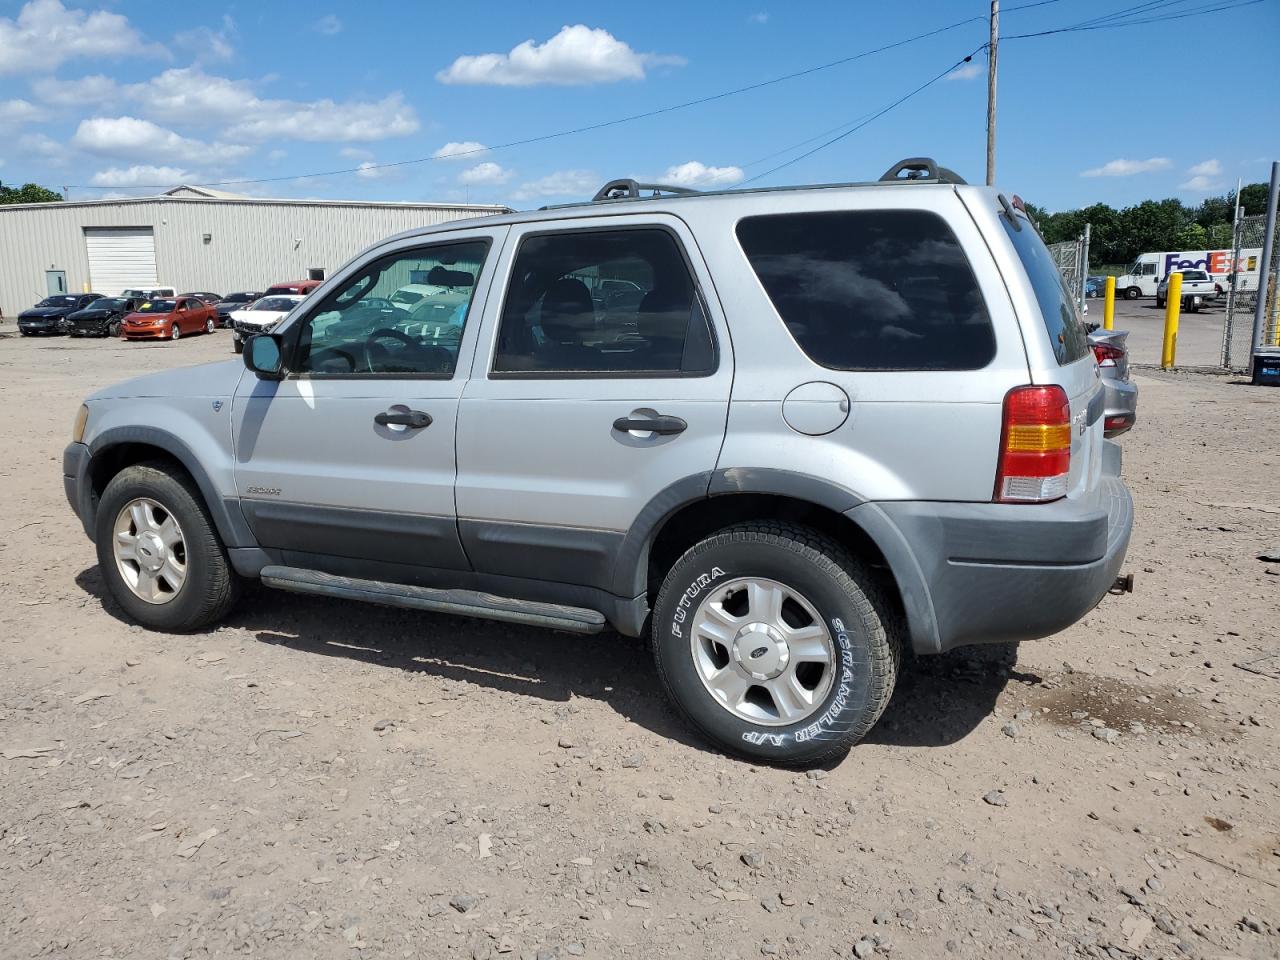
{"x": 974, "y": 573}
{"x": 1122, "y": 406}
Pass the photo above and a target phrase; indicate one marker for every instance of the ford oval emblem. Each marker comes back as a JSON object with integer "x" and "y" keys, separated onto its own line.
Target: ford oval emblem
{"x": 217, "y": 405}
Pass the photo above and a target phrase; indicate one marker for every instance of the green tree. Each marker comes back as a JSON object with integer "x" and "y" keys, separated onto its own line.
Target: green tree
{"x": 1253, "y": 199}
{"x": 1191, "y": 236}
{"x": 28, "y": 193}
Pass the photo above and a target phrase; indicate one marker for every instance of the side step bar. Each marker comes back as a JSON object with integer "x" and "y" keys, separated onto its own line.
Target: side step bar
{"x": 467, "y": 603}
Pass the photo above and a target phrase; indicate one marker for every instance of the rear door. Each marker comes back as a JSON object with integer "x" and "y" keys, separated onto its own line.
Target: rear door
{"x": 348, "y": 463}
{"x": 602, "y": 380}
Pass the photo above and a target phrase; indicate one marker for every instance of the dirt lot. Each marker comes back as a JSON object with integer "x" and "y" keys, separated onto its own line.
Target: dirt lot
{"x": 323, "y": 779}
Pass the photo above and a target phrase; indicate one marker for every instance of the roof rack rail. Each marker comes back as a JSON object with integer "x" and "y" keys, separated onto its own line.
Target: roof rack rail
{"x": 920, "y": 168}
{"x": 627, "y": 189}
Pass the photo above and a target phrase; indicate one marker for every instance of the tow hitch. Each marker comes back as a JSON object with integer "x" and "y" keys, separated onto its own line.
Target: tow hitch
{"x": 1122, "y": 585}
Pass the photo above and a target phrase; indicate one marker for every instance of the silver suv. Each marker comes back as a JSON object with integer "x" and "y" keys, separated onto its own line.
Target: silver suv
{"x": 784, "y": 432}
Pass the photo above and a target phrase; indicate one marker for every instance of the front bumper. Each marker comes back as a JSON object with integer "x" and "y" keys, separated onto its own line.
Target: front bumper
{"x": 41, "y": 327}
{"x": 88, "y": 328}
{"x": 974, "y": 573}
{"x": 146, "y": 333}
{"x": 77, "y": 486}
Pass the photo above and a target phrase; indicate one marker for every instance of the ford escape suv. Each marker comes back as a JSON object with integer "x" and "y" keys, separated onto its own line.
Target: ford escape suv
{"x": 783, "y": 432}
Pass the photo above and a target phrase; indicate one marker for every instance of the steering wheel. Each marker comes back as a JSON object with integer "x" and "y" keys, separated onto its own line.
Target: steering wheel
{"x": 376, "y": 355}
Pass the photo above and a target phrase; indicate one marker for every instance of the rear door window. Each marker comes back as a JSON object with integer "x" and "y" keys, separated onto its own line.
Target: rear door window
{"x": 872, "y": 289}
{"x": 1062, "y": 319}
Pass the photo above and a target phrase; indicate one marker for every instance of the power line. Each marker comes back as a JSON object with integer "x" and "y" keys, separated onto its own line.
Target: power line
{"x": 1155, "y": 17}
{"x": 875, "y": 116}
{"x": 576, "y": 130}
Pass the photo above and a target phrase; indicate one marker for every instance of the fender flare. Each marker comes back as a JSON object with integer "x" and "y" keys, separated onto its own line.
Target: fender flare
{"x": 225, "y": 512}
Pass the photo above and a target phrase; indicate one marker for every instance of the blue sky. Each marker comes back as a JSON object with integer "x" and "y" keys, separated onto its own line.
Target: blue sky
{"x": 112, "y": 97}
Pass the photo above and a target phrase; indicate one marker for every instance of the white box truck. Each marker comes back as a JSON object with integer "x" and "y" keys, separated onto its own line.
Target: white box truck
{"x": 1146, "y": 272}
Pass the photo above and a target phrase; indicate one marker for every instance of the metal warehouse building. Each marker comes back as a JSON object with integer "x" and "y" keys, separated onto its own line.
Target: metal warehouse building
{"x": 191, "y": 238}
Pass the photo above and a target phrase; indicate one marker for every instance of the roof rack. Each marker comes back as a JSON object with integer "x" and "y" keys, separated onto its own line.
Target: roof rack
{"x": 920, "y": 168}
{"x": 627, "y": 189}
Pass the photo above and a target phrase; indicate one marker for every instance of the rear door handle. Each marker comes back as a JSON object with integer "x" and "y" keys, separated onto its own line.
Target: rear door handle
{"x": 664, "y": 426}
{"x": 413, "y": 419}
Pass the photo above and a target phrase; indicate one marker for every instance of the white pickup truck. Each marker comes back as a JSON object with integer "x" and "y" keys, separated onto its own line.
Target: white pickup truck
{"x": 1197, "y": 288}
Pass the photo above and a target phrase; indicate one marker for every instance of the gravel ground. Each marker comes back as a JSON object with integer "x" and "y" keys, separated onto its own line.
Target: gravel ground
{"x": 324, "y": 779}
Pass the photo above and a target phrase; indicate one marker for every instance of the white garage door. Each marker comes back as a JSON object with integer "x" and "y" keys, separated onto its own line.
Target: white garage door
{"x": 120, "y": 258}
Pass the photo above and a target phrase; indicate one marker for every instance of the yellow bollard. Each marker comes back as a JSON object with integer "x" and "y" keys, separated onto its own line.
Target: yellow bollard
{"x": 1109, "y": 306}
{"x": 1172, "y": 310}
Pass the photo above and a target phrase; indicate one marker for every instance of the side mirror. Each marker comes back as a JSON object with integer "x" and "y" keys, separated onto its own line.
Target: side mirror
{"x": 262, "y": 355}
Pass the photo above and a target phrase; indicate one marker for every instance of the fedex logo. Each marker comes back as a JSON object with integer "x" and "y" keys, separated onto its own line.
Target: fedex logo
{"x": 1213, "y": 262}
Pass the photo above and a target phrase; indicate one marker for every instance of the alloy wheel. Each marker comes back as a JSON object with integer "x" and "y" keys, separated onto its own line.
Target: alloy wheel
{"x": 150, "y": 550}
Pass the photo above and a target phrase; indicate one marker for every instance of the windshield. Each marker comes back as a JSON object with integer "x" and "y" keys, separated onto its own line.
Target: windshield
{"x": 405, "y": 296}
{"x": 1058, "y": 307}
{"x": 158, "y": 306}
{"x": 279, "y": 304}
{"x": 57, "y": 302}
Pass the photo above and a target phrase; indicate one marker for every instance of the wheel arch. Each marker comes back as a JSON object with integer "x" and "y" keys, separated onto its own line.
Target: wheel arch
{"x": 115, "y": 449}
{"x": 679, "y": 517}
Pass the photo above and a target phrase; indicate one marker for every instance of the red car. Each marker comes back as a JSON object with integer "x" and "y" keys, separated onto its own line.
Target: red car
{"x": 170, "y": 319}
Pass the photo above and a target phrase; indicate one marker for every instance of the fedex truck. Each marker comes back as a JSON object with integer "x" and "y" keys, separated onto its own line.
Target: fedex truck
{"x": 1145, "y": 273}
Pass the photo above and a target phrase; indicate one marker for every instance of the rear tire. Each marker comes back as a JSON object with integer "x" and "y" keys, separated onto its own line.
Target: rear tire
{"x": 827, "y": 597}
{"x": 1159, "y": 303}
{"x": 209, "y": 325}
{"x": 208, "y": 585}
{"x": 1132, "y": 293}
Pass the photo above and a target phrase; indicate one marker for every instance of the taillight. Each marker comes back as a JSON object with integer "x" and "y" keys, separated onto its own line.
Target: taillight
{"x": 1035, "y": 445}
{"x": 1106, "y": 354}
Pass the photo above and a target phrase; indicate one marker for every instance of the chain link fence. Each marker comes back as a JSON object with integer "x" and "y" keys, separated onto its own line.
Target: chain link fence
{"x": 1250, "y": 280}
{"x": 1072, "y": 258}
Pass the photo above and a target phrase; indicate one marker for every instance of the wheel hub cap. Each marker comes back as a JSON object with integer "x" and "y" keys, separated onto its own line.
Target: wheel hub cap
{"x": 760, "y": 651}
{"x": 149, "y": 551}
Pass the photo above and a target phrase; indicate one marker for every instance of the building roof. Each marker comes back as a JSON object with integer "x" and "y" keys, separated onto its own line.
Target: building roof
{"x": 201, "y": 195}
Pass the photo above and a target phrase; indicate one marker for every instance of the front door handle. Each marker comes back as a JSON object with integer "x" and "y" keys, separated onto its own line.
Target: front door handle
{"x": 413, "y": 419}
{"x": 664, "y": 426}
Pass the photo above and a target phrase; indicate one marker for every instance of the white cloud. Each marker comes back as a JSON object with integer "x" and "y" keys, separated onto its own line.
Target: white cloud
{"x": 562, "y": 183}
{"x": 45, "y": 33}
{"x": 139, "y": 175}
{"x": 966, "y": 71}
{"x": 463, "y": 150}
{"x": 576, "y": 55}
{"x": 75, "y": 93}
{"x": 487, "y": 172}
{"x": 275, "y": 156}
{"x": 16, "y": 112}
{"x": 695, "y": 174}
{"x": 182, "y": 94}
{"x": 207, "y": 44}
{"x": 1127, "y": 168}
{"x": 134, "y": 139}
{"x": 760, "y": 17}
{"x": 1210, "y": 168}
{"x": 329, "y": 24}
{"x": 50, "y": 151}
{"x": 1200, "y": 184}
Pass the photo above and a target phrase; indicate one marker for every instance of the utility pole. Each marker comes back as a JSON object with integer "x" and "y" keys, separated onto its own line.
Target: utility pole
{"x": 991, "y": 92}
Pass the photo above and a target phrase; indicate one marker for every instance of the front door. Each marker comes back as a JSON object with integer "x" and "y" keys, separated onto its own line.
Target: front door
{"x": 347, "y": 464}
{"x": 55, "y": 281}
{"x": 602, "y": 381}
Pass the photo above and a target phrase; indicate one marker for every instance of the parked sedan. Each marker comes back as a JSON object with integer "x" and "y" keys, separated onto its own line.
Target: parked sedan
{"x": 260, "y": 317}
{"x": 48, "y": 317}
{"x": 234, "y": 301}
{"x": 209, "y": 298}
{"x": 170, "y": 319}
{"x": 1121, "y": 397}
{"x": 102, "y": 318}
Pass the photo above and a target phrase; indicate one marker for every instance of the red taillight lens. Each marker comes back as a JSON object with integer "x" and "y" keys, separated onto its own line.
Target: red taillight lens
{"x": 1106, "y": 354}
{"x": 1035, "y": 446}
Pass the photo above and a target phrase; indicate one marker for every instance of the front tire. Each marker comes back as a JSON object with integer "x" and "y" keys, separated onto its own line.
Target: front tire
{"x": 159, "y": 552}
{"x": 237, "y": 346}
{"x": 175, "y": 332}
{"x": 775, "y": 643}
{"x": 1159, "y": 303}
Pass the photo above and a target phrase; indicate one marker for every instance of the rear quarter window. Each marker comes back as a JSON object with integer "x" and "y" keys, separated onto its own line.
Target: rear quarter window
{"x": 872, "y": 289}
{"x": 1062, "y": 320}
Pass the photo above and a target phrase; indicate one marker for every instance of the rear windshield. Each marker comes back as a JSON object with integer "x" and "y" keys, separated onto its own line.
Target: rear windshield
{"x": 872, "y": 289}
{"x": 1194, "y": 275}
{"x": 1062, "y": 319}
